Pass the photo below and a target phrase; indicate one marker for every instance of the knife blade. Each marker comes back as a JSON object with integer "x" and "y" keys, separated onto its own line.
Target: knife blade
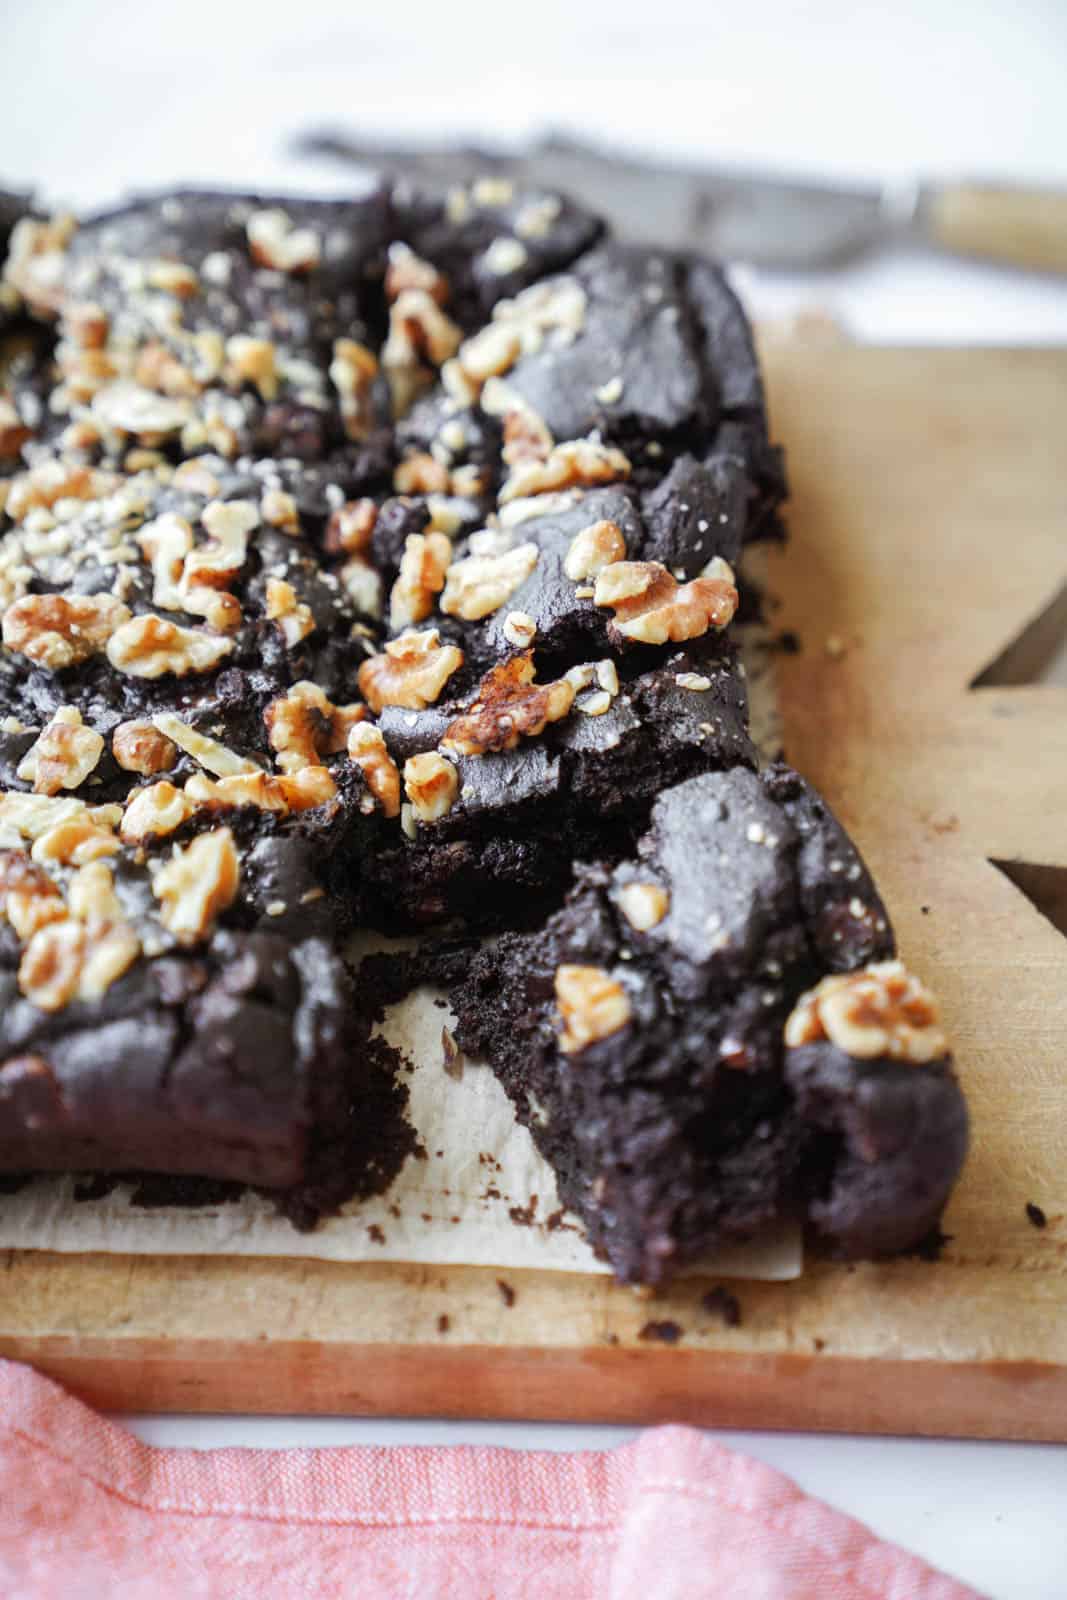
{"x": 755, "y": 217}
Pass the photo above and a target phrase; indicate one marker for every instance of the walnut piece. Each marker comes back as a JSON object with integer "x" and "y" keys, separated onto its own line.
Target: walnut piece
{"x": 411, "y": 672}
{"x": 298, "y": 791}
{"x": 198, "y": 883}
{"x": 406, "y": 270}
{"x": 509, "y": 706}
{"x": 305, "y": 726}
{"x": 526, "y": 437}
{"x": 880, "y": 1012}
{"x": 431, "y": 784}
{"x": 419, "y": 332}
{"x": 59, "y": 630}
{"x": 274, "y": 241}
{"x": 155, "y": 810}
{"x": 279, "y": 510}
{"x": 593, "y": 549}
{"x": 30, "y": 898}
{"x": 481, "y": 584}
{"x": 421, "y": 473}
{"x": 140, "y": 747}
{"x": 64, "y": 754}
{"x": 575, "y": 463}
{"x": 352, "y": 373}
{"x": 128, "y": 407}
{"x": 643, "y": 904}
{"x": 252, "y": 361}
{"x": 592, "y": 1006}
{"x": 519, "y": 629}
{"x": 293, "y": 616}
{"x": 652, "y": 607}
{"x": 366, "y": 747}
{"x": 13, "y": 431}
{"x": 66, "y": 961}
{"x": 423, "y": 568}
{"x": 217, "y": 758}
{"x": 351, "y": 527}
{"x": 148, "y": 646}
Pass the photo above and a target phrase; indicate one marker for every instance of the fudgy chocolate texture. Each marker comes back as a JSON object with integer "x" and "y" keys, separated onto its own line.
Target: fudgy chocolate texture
{"x": 681, "y": 1126}
{"x": 244, "y": 1060}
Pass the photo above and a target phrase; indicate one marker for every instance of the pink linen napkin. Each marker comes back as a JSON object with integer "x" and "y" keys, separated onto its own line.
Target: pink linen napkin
{"x": 88, "y": 1512}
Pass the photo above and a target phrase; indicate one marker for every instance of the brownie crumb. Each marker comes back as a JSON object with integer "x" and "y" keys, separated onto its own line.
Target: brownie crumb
{"x": 443, "y": 1323}
{"x": 524, "y": 1216}
{"x": 507, "y": 1293}
{"x": 819, "y": 1344}
{"x": 932, "y": 1246}
{"x": 665, "y": 1332}
{"x": 1036, "y": 1215}
{"x": 788, "y": 642}
{"x": 719, "y": 1302}
{"x": 925, "y": 910}
{"x": 375, "y": 1233}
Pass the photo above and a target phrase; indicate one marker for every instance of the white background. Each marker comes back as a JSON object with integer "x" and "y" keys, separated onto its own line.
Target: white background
{"x": 100, "y": 96}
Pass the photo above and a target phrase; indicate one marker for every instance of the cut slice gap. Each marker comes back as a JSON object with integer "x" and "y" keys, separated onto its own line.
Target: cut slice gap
{"x": 1036, "y": 655}
{"x": 1044, "y": 887}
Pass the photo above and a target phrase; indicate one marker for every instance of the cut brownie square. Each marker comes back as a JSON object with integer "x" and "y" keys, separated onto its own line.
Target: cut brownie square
{"x": 654, "y": 1039}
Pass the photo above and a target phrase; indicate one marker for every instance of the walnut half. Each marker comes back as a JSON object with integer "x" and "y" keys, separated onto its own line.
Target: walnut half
{"x": 652, "y": 607}
{"x": 197, "y": 884}
{"x": 60, "y": 630}
{"x": 411, "y": 672}
{"x": 881, "y": 1011}
{"x": 592, "y": 1006}
{"x": 509, "y": 706}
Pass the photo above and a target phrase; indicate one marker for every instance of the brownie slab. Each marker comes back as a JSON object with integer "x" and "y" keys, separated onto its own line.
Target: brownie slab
{"x": 643, "y": 1031}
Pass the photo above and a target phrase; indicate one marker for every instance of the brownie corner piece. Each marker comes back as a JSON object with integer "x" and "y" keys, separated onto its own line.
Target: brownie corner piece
{"x": 644, "y": 1033}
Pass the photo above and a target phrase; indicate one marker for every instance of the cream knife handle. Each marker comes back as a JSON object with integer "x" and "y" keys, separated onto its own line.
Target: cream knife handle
{"x": 1004, "y": 222}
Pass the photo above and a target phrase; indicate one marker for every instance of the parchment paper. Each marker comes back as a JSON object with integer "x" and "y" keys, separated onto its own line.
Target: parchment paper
{"x": 482, "y": 1196}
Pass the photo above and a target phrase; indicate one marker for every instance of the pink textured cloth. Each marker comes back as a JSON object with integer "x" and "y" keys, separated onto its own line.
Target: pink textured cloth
{"x": 88, "y": 1512}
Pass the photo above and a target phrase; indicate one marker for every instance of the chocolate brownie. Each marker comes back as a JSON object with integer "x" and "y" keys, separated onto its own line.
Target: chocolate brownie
{"x": 372, "y": 562}
{"x": 658, "y": 1037}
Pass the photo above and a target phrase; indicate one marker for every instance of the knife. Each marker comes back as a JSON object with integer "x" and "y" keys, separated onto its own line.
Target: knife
{"x": 745, "y": 216}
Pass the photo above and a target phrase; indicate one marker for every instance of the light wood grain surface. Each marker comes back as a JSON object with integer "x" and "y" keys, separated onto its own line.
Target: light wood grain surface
{"x": 928, "y": 531}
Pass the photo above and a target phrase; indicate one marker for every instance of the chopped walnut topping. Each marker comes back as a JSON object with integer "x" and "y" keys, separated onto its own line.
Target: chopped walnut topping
{"x": 149, "y": 646}
{"x": 526, "y": 437}
{"x": 366, "y": 746}
{"x": 51, "y": 481}
{"x": 431, "y": 784}
{"x": 293, "y": 616}
{"x": 351, "y": 527}
{"x": 411, "y": 672}
{"x": 30, "y": 898}
{"x": 519, "y": 629}
{"x": 158, "y": 809}
{"x": 87, "y": 324}
{"x": 59, "y": 630}
{"x": 592, "y": 1006}
{"x": 505, "y": 255}
{"x": 406, "y": 270}
{"x": 363, "y": 586}
{"x": 197, "y": 884}
{"x": 305, "y": 726}
{"x": 173, "y": 277}
{"x": 695, "y": 682}
{"x": 480, "y": 584}
{"x": 64, "y": 754}
{"x": 275, "y": 242}
{"x": 92, "y": 898}
{"x": 252, "y": 361}
{"x": 489, "y": 353}
{"x": 651, "y": 606}
{"x": 576, "y": 462}
{"x": 352, "y": 373}
{"x": 419, "y": 331}
{"x": 279, "y": 510}
{"x": 490, "y": 190}
{"x": 128, "y": 407}
{"x": 156, "y": 368}
{"x": 880, "y": 1012}
{"x": 299, "y": 791}
{"x": 509, "y": 706}
{"x": 423, "y": 568}
{"x": 552, "y": 309}
{"x": 536, "y": 217}
{"x": 166, "y": 541}
{"x": 217, "y": 758}
{"x": 64, "y": 830}
{"x": 140, "y": 747}
{"x": 13, "y": 431}
{"x": 66, "y": 961}
{"x": 217, "y": 564}
{"x": 643, "y": 904}
{"x": 593, "y": 549}
{"x": 421, "y": 474}
{"x": 36, "y": 260}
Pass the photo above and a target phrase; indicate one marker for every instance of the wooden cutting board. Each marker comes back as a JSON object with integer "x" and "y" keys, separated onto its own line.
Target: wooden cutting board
{"x": 929, "y": 530}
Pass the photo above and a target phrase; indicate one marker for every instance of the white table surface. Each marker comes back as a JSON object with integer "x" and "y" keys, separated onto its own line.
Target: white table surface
{"x": 99, "y": 95}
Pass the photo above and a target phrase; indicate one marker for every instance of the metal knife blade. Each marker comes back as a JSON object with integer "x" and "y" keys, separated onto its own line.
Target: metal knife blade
{"x": 737, "y": 216}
